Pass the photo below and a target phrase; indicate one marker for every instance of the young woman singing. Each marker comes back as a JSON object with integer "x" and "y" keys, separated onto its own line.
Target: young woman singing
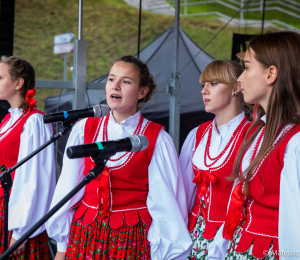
{"x": 136, "y": 209}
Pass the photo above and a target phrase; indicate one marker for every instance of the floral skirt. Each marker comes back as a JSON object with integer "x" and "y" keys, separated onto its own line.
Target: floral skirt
{"x": 200, "y": 245}
{"x": 99, "y": 241}
{"x": 35, "y": 248}
{"x": 231, "y": 253}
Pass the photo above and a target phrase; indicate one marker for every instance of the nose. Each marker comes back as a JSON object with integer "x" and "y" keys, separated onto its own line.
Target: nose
{"x": 205, "y": 91}
{"x": 241, "y": 77}
{"x": 115, "y": 85}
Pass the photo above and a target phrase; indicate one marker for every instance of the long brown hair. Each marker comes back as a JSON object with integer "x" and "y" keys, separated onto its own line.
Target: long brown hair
{"x": 282, "y": 50}
{"x": 21, "y": 68}
{"x": 226, "y": 72}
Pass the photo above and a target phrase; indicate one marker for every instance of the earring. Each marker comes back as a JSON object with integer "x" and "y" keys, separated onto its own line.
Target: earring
{"x": 236, "y": 93}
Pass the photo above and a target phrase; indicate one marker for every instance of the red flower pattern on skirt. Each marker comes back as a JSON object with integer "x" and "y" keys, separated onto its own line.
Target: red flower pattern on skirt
{"x": 99, "y": 241}
{"x": 35, "y": 248}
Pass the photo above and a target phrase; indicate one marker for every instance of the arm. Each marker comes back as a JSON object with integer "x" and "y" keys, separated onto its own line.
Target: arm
{"x": 185, "y": 158}
{"x": 168, "y": 234}
{"x": 34, "y": 181}
{"x": 289, "y": 204}
{"x": 58, "y": 226}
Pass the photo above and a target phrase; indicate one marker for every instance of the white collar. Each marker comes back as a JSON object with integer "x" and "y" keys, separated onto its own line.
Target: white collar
{"x": 131, "y": 120}
{"x": 231, "y": 125}
{"x": 15, "y": 111}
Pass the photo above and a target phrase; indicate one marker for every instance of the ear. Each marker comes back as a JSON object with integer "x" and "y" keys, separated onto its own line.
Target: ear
{"x": 143, "y": 92}
{"x": 19, "y": 83}
{"x": 272, "y": 74}
{"x": 236, "y": 89}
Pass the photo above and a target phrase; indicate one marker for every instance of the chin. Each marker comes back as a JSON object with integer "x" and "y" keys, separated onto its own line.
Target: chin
{"x": 207, "y": 110}
{"x": 249, "y": 101}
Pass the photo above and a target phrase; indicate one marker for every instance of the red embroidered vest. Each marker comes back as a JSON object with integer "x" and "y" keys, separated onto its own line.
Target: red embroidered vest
{"x": 10, "y": 141}
{"x": 263, "y": 209}
{"x": 128, "y": 182}
{"x": 219, "y": 187}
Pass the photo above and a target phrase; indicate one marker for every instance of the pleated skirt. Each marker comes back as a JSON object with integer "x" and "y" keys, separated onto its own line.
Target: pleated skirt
{"x": 99, "y": 241}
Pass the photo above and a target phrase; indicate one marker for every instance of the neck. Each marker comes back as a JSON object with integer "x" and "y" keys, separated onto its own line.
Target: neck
{"x": 119, "y": 117}
{"x": 223, "y": 117}
{"x": 15, "y": 101}
{"x": 264, "y": 105}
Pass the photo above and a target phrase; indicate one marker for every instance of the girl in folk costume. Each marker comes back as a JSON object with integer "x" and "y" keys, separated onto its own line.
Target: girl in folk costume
{"x": 21, "y": 132}
{"x": 136, "y": 209}
{"x": 267, "y": 169}
{"x": 209, "y": 151}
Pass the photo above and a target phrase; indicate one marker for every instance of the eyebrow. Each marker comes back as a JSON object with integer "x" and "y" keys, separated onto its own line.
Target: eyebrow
{"x": 124, "y": 77}
{"x": 246, "y": 61}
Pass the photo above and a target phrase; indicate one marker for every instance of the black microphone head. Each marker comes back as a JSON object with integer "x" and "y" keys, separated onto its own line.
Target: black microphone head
{"x": 139, "y": 143}
{"x": 101, "y": 110}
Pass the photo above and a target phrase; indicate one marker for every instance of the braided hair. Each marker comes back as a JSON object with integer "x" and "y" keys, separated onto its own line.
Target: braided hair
{"x": 21, "y": 68}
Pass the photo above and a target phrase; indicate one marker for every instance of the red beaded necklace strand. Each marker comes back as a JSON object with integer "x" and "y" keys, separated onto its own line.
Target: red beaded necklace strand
{"x": 207, "y": 147}
{"x": 136, "y": 131}
{"x": 257, "y": 144}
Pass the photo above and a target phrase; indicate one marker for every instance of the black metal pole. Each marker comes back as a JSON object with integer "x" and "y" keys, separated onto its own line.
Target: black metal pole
{"x": 263, "y": 17}
{"x": 5, "y": 176}
{"x": 5, "y": 220}
{"x": 105, "y": 154}
{"x": 85, "y": 181}
{"x": 139, "y": 34}
{"x": 6, "y": 201}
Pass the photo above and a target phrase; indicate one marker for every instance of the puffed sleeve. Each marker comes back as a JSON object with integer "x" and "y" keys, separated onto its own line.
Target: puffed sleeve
{"x": 166, "y": 202}
{"x": 34, "y": 181}
{"x": 289, "y": 204}
{"x": 58, "y": 226}
{"x": 185, "y": 158}
{"x": 289, "y": 208}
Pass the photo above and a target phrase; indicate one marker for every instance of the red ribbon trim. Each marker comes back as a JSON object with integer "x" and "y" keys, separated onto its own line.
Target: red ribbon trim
{"x": 29, "y": 98}
{"x": 234, "y": 212}
{"x": 104, "y": 190}
{"x": 201, "y": 179}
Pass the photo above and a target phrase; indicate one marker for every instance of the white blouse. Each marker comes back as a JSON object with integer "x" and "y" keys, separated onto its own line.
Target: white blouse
{"x": 34, "y": 181}
{"x": 166, "y": 202}
{"x": 289, "y": 202}
{"x": 218, "y": 143}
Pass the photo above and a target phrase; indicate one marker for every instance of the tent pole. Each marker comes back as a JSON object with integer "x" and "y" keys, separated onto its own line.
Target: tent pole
{"x": 174, "y": 123}
{"x": 263, "y": 17}
{"x": 139, "y": 34}
{"x": 79, "y": 65}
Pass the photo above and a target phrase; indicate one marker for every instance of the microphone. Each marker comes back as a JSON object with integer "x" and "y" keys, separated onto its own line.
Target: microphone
{"x": 134, "y": 143}
{"x": 94, "y": 111}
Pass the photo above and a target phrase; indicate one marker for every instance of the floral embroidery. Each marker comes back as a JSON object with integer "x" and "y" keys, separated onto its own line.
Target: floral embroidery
{"x": 99, "y": 241}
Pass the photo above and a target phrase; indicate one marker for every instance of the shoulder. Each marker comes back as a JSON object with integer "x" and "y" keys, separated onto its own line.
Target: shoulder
{"x": 164, "y": 140}
{"x": 35, "y": 117}
{"x": 294, "y": 143}
{"x": 79, "y": 126}
{"x": 35, "y": 121}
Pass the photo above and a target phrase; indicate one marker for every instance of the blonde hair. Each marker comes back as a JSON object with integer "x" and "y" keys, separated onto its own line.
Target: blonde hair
{"x": 226, "y": 72}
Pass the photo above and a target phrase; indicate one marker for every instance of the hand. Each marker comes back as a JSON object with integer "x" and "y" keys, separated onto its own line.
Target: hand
{"x": 20, "y": 250}
{"x": 60, "y": 256}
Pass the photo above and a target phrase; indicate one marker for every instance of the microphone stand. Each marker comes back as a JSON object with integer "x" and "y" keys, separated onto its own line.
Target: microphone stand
{"x": 94, "y": 173}
{"x": 5, "y": 176}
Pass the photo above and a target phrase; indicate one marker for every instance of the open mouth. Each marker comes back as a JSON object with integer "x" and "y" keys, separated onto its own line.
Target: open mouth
{"x": 115, "y": 96}
{"x": 206, "y": 100}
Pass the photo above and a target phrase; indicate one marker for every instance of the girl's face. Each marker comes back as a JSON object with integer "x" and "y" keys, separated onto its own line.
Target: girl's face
{"x": 216, "y": 97}
{"x": 123, "y": 90}
{"x": 7, "y": 86}
{"x": 255, "y": 81}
